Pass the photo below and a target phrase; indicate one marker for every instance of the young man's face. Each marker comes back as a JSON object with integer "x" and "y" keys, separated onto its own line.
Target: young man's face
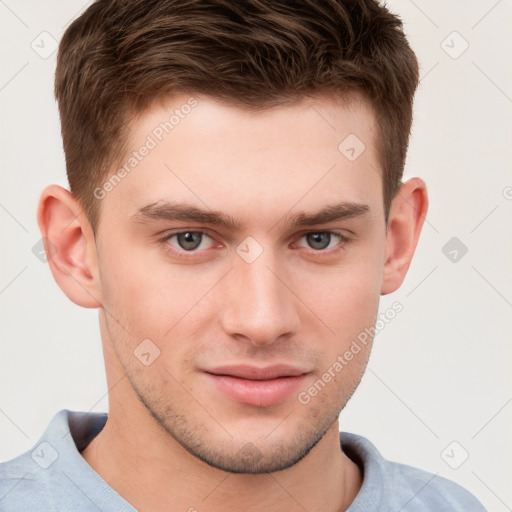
{"x": 271, "y": 299}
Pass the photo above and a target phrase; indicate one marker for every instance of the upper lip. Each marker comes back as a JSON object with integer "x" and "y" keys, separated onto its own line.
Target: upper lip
{"x": 245, "y": 371}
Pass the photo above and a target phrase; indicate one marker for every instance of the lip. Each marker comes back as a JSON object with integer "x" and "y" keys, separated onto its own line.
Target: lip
{"x": 258, "y": 387}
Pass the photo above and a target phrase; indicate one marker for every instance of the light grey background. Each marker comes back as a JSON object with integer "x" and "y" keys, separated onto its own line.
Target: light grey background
{"x": 439, "y": 372}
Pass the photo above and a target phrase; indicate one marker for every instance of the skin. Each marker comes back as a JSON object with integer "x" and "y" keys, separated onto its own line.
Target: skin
{"x": 180, "y": 441}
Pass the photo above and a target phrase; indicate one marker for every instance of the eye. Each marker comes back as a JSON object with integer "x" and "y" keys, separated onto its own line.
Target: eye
{"x": 188, "y": 240}
{"x": 322, "y": 240}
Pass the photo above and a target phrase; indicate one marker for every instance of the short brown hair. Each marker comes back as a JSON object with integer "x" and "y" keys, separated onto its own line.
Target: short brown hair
{"x": 120, "y": 56}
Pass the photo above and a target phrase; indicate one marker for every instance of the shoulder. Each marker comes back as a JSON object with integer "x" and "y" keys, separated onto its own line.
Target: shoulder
{"x": 429, "y": 491}
{"x": 43, "y": 477}
{"x": 390, "y": 485}
{"x": 21, "y": 486}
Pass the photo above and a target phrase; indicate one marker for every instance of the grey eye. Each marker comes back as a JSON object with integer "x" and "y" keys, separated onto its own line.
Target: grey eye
{"x": 318, "y": 240}
{"x": 189, "y": 240}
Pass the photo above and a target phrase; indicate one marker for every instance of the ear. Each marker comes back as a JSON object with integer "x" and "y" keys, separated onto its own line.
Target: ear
{"x": 407, "y": 214}
{"x": 70, "y": 246}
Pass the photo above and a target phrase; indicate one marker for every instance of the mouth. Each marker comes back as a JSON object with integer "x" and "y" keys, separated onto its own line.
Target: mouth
{"x": 257, "y": 387}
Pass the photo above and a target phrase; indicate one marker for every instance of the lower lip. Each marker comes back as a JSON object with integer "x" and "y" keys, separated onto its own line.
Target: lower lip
{"x": 258, "y": 393}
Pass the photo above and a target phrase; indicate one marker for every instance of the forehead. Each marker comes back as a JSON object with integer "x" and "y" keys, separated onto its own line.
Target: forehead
{"x": 198, "y": 150}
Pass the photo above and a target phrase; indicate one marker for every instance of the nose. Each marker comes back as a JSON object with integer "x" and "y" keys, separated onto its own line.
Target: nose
{"x": 261, "y": 307}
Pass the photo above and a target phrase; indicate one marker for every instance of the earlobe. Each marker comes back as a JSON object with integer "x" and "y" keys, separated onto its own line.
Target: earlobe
{"x": 70, "y": 246}
{"x": 406, "y": 217}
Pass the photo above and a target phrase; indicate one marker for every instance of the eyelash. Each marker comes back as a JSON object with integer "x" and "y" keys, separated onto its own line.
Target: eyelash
{"x": 164, "y": 241}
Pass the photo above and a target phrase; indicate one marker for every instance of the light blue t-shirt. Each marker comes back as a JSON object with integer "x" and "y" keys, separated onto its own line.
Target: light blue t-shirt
{"x": 53, "y": 476}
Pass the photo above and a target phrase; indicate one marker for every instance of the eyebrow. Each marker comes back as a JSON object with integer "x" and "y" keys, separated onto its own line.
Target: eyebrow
{"x": 170, "y": 211}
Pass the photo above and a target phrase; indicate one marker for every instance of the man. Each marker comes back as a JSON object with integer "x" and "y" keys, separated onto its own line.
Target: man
{"x": 236, "y": 210}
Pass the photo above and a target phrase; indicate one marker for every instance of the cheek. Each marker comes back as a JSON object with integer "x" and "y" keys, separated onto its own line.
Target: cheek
{"x": 151, "y": 300}
{"x": 346, "y": 298}
{"x": 348, "y": 304}
{"x": 133, "y": 295}
{"x": 134, "y": 278}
